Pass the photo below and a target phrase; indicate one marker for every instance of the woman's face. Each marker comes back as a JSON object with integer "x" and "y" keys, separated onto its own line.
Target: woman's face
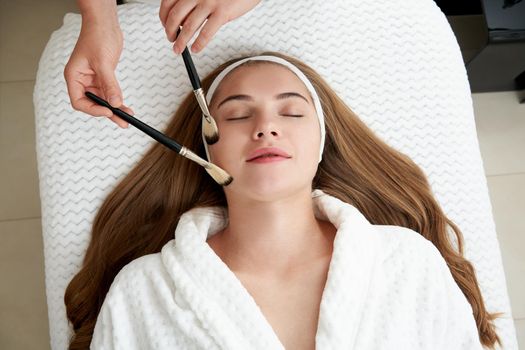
{"x": 264, "y": 116}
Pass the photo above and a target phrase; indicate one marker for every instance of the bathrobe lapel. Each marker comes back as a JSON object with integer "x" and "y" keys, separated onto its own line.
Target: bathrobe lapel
{"x": 230, "y": 315}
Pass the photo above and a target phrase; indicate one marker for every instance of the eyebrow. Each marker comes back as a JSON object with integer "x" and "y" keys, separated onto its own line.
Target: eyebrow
{"x": 280, "y": 96}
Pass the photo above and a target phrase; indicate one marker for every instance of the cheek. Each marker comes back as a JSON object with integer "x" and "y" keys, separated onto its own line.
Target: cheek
{"x": 226, "y": 150}
{"x": 307, "y": 139}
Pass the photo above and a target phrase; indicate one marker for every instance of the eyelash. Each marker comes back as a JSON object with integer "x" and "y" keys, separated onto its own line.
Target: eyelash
{"x": 287, "y": 115}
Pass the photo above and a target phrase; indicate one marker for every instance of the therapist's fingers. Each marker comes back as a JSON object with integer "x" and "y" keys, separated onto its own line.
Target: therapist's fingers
{"x": 189, "y": 27}
{"x": 121, "y": 122}
{"x": 81, "y": 103}
{"x": 81, "y": 78}
{"x": 176, "y": 15}
{"x": 212, "y": 25}
{"x": 78, "y": 81}
{"x": 91, "y": 67}
{"x": 165, "y": 7}
{"x": 220, "y": 13}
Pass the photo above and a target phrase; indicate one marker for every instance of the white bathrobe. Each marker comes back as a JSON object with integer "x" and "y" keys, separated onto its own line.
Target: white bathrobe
{"x": 387, "y": 288}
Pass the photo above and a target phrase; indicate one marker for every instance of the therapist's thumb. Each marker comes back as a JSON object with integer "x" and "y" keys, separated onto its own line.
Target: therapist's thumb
{"x": 110, "y": 87}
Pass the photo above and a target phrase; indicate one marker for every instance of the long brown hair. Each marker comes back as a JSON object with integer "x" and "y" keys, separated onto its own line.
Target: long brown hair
{"x": 141, "y": 213}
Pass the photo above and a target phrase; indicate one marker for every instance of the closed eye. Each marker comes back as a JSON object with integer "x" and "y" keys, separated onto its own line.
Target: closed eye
{"x": 286, "y": 115}
{"x": 236, "y": 118}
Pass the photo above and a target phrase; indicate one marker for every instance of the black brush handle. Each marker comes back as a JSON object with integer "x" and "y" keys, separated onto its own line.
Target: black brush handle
{"x": 190, "y": 67}
{"x": 154, "y": 133}
{"x": 192, "y": 71}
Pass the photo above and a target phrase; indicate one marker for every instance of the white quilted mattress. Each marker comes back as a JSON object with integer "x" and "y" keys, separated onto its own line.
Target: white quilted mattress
{"x": 396, "y": 63}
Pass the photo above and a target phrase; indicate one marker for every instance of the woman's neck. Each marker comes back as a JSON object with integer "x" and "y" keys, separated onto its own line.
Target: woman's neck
{"x": 273, "y": 239}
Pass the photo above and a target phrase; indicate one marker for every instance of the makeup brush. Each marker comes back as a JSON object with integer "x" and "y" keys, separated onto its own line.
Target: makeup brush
{"x": 219, "y": 175}
{"x": 209, "y": 126}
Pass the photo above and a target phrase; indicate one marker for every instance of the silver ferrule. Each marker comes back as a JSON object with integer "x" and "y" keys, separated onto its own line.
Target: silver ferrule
{"x": 199, "y": 94}
{"x": 192, "y": 156}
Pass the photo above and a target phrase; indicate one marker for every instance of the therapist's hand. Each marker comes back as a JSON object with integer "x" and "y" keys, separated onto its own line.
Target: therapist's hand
{"x": 191, "y": 14}
{"x": 91, "y": 67}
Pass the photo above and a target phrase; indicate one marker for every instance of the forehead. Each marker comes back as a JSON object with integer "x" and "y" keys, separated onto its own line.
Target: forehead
{"x": 259, "y": 79}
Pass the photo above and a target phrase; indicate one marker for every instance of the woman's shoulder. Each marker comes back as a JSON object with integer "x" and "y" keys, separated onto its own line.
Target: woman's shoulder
{"x": 413, "y": 265}
{"x": 144, "y": 264}
{"x": 399, "y": 242}
{"x": 138, "y": 307}
{"x": 147, "y": 271}
{"x": 411, "y": 260}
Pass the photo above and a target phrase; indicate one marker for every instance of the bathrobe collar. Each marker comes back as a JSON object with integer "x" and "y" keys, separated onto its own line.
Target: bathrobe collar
{"x": 218, "y": 300}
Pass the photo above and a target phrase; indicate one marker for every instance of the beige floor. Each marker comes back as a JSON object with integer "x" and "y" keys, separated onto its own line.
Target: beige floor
{"x": 25, "y": 27}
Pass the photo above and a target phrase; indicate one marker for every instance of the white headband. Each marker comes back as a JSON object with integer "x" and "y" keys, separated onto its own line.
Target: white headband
{"x": 294, "y": 69}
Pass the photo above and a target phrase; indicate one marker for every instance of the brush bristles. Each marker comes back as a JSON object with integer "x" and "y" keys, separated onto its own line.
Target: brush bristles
{"x": 220, "y": 176}
{"x": 210, "y": 130}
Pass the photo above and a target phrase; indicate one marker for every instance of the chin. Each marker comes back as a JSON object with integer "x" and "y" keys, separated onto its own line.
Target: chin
{"x": 269, "y": 189}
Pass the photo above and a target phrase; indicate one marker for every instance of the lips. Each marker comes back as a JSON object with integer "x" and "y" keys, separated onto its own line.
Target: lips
{"x": 268, "y": 151}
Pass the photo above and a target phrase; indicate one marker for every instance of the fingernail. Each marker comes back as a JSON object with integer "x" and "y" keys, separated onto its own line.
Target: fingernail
{"x": 114, "y": 101}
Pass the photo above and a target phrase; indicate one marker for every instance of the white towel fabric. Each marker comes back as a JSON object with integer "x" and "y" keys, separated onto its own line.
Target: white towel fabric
{"x": 387, "y": 288}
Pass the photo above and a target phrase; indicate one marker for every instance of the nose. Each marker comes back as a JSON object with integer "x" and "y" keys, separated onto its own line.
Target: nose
{"x": 262, "y": 133}
{"x": 266, "y": 127}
